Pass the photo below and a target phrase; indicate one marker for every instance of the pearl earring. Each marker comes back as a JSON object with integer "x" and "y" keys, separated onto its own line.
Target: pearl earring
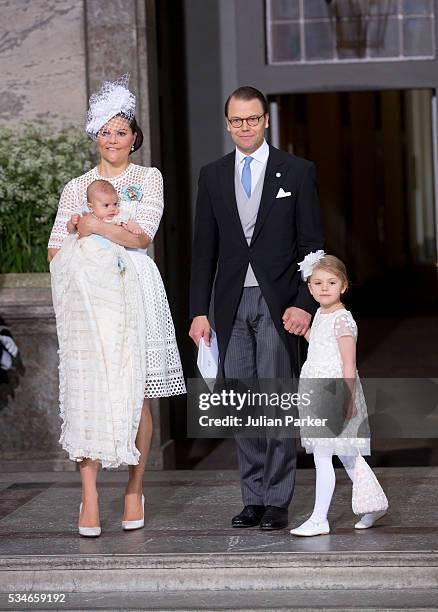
{"x": 132, "y": 148}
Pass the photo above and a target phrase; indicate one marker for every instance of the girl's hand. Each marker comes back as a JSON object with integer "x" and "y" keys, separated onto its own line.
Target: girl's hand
{"x": 88, "y": 225}
{"x": 296, "y": 321}
{"x": 74, "y": 219}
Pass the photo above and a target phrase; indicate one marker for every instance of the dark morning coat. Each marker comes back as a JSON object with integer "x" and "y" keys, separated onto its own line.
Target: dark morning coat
{"x": 286, "y": 230}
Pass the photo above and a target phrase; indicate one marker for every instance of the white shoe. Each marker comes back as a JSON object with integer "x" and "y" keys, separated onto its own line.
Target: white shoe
{"x": 88, "y": 532}
{"x": 369, "y": 519}
{"x": 311, "y": 528}
{"x": 129, "y": 525}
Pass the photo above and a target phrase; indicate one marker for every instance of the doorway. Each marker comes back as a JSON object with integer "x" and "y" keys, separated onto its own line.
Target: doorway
{"x": 374, "y": 156}
{"x": 373, "y": 152}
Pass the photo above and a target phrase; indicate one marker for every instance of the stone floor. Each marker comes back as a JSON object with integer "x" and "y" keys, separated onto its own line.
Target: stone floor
{"x": 188, "y": 518}
{"x": 189, "y": 512}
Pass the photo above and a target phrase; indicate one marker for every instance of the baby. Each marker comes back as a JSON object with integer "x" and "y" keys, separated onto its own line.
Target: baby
{"x": 103, "y": 203}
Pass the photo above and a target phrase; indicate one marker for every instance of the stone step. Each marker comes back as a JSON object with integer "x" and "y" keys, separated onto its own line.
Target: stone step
{"x": 363, "y": 600}
{"x": 378, "y": 571}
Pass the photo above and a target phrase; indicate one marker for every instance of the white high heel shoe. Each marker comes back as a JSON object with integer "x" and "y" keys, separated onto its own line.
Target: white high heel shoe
{"x": 88, "y": 532}
{"x": 138, "y": 524}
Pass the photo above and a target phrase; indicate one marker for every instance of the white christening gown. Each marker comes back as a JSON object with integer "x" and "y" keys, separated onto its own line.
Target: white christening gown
{"x": 324, "y": 361}
{"x": 100, "y": 323}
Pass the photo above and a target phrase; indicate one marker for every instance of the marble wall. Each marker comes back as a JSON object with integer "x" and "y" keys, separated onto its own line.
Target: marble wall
{"x": 42, "y": 61}
{"x": 54, "y": 52}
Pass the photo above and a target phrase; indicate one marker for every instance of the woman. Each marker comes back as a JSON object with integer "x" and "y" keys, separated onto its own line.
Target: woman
{"x": 111, "y": 123}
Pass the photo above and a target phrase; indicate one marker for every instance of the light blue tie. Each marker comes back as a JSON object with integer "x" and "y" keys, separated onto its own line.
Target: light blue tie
{"x": 246, "y": 176}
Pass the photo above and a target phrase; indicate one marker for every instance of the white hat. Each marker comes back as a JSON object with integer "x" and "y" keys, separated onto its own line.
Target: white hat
{"x": 114, "y": 98}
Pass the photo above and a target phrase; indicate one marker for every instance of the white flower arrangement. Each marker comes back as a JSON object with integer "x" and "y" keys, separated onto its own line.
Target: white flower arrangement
{"x": 309, "y": 262}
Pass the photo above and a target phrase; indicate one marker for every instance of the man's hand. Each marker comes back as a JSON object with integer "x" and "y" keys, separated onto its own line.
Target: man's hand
{"x": 88, "y": 224}
{"x": 296, "y": 321}
{"x": 200, "y": 328}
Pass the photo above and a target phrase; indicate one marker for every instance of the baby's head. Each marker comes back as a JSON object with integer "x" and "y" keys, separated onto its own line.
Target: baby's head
{"x": 328, "y": 281}
{"x": 102, "y": 199}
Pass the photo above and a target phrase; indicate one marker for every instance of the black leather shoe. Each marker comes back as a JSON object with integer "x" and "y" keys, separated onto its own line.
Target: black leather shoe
{"x": 274, "y": 518}
{"x": 249, "y": 517}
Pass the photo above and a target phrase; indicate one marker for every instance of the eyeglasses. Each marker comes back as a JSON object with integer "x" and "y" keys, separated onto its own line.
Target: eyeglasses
{"x": 252, "y": 121}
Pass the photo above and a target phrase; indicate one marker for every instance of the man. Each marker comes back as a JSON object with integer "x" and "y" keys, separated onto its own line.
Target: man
{"x": 257, "y": 215}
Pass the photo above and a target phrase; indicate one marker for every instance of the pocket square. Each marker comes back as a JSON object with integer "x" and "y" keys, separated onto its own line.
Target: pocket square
{"x": 283, "y": 194}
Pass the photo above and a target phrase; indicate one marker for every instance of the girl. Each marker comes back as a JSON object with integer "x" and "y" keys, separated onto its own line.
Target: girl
{"x": 111, "y": 123}
{"x": 332, "y": 354}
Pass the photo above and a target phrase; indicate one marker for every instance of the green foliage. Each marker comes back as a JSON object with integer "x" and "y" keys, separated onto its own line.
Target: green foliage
{"x": 36, "y": 161}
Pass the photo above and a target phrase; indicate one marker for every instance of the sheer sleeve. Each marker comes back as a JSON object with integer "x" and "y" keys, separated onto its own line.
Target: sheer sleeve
{"x": 68, "y": 205}
{"x": 345, "y": 325}
{"x": 150, "y": 207}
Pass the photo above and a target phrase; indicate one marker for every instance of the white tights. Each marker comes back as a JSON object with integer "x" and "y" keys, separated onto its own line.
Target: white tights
{"x": 325, "y": 483}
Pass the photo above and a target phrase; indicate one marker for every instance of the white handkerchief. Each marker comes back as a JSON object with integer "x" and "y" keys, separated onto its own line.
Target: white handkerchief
{"x": 283, "y": 194}
{"x": 208, "y": 358}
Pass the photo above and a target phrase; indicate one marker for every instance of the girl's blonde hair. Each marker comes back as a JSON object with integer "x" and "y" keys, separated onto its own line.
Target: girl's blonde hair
{"x": 330, "y": 263}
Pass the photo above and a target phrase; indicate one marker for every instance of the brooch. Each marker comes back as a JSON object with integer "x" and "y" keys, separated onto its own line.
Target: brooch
{"x": 132, "y": 192}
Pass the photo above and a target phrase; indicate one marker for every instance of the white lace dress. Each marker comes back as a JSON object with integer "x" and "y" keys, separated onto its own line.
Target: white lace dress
{"x": 142, "y": 189}
{"x": 324, "y": 361}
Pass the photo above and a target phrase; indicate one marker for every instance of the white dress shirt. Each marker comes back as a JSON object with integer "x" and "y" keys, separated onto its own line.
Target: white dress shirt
{"x": 260, "y": 157}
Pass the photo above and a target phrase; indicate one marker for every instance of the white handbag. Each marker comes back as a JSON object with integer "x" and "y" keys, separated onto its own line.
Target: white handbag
{"x": 368, "y": 495}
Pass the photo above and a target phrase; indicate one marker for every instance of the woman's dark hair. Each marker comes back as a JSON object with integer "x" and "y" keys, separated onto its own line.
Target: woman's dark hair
{"x": 136, "y": 129}
{"x": 247, "y": 93}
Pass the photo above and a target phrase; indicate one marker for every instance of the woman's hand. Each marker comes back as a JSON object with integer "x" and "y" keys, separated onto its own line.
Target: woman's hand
{"x": 88, "y": 224}
{"x": 51, "y": 254}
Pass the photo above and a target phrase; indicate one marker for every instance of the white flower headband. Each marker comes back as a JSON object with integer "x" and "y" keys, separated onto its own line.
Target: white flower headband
{"x": 114, "y": 98}
{"x": 309, "y": 262}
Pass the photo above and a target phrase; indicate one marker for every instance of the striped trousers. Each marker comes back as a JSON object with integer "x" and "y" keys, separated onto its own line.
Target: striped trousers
{"x": 267, "y": 465}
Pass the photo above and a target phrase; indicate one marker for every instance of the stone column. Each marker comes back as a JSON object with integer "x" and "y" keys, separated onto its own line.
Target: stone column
{"x": 116, "y": 42}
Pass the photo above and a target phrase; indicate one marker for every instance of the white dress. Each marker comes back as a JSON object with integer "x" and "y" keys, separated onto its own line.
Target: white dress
{"x": 141, "y": 188}
{"x": 324, "y": 361}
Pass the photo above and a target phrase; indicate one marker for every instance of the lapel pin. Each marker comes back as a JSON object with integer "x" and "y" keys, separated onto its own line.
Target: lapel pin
{"x": 278, "y": 174}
